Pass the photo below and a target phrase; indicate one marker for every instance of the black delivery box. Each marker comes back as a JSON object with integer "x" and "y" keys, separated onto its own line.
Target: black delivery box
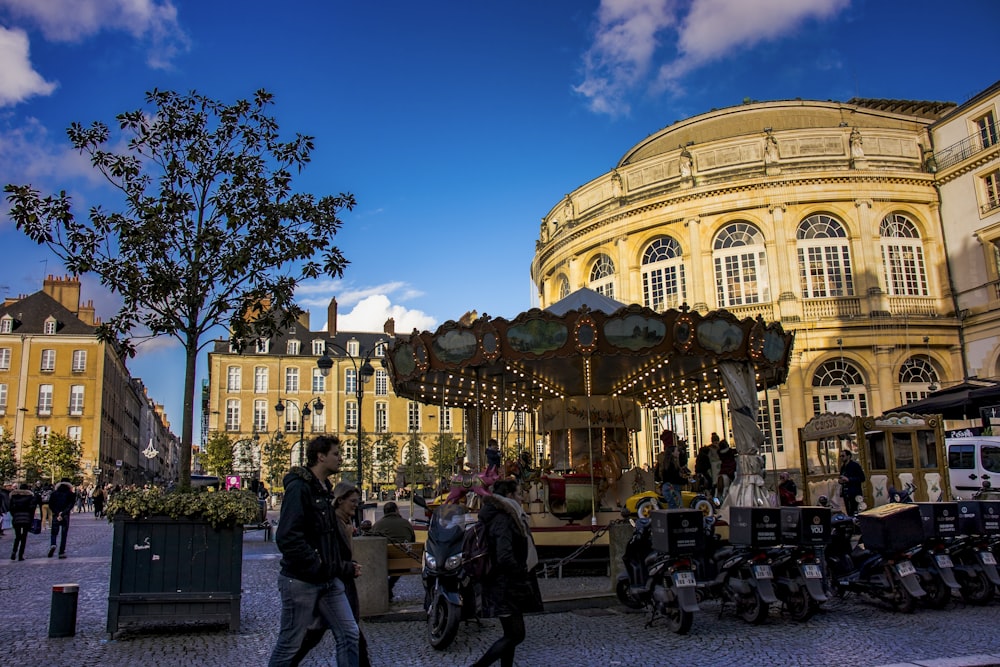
{"x": 677, "y": 532}
{"x": 805, "y": 525}
{"x": 978, "y": 517}
{"x": 755, "y": 526}
{"x": 940, "y": 519}
{"x": 892, "y": 528}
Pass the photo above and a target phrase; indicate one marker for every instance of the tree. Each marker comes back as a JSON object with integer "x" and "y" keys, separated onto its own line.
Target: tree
{"x": 386, "y": 457}
{"x": 217, "y": 458}
{"x": 8, "y": 459}
{"x": 443, "y": 452}
{"x": 276, "y": 458}
{"x": 52, "y": 459}
{"x": 209, "y": 231}
{"x": 414, "y": 461}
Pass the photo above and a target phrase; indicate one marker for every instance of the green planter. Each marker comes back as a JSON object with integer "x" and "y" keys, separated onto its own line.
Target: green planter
{"x": 175, "y": 570}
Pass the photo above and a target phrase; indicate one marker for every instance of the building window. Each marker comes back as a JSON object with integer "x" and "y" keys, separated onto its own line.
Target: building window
{"x": 49, "y": 328}
{"x": 42, "y": 434}
{"x": 381, "y": 416}
{"x": 318, "y": 347}
{"x": 380, "y": 348}
{"x": 75, "y": 433}
{"x": 986, "y": 128}
{"x": 662, "y": 275}
{"x": 353, "y": 348}
{"x": 263, "y": 346}
{"x": 292, "y": 417}
{"x": 446, "y": 419}
{"x": 319, "y": 382}
{"x": 292, "y": 347}
{"x": 381, "y": 382}
{"x": 351, "y": 416}
{"x": 76, "y": 400}
{"x": 79, "y": 361}
{"x": 6, "y": 324}
{"x": 234, "y": 378}
{"x": 291, "y": 380}
{"x": 824, "y": 258}
{"x": 260, "y": 416}
{"x": 48, "y": 360}
{"x": 839, "y": 380}
{"x": 233, "y": 414}
{"x": 991, "y": 191}
{"x": 4, "y": 358}
{"x": 769, "y": 422}
{"x": 413, "y": 416}
{"x": 3, "y": 399}
{"x": 602, "y": 276}
{"x": 350, "y": 381}
{"x": 45, "y": 399}
{"x": 902, "y": 257}
{"x": 563, "y": 287}
{"x": 916, "y": 375}
{"x": 260, "y": 380}
{"x": 740, "y": 266}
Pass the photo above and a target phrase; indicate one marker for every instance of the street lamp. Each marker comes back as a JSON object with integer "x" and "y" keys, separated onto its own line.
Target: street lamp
{"x": 317, "y": 405}
{"x": 363, "y": 375}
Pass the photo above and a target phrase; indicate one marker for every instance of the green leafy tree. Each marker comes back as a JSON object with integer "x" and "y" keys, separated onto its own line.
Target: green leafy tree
{"x": 414, "y": 461}
{"x": 443, "y": 452}
{"x": 209, "y": 231}
{"x": 276, "y": 455}
{"x": 217, "y": 459}
{"x": 386, "y": 457}
{"x": 8, "y": 458}
{"x": 50, "y": 460}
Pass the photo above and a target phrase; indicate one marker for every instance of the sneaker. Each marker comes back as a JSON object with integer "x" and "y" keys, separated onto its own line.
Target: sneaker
{"x": 62, "y": 555}
{"x": 52, "y": 551}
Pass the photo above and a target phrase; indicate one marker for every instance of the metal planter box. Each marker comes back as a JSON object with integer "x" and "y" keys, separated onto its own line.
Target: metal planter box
{"x": 174, "y": 570}
{"x": 677, "y": 532}
{"x": 805, "y": 525}
{"x": 940, "y": 519}
{"x": 755, "y": 526}
{"x": 979, "y": 517}
{"x": 891, "y": 528}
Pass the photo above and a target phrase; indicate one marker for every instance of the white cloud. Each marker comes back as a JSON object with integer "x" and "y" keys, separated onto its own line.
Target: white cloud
{"x": 363, "y": 308}
{"x": 152, "y": 21}
{"x": 18, "y": 79}
{"x": 371, "y": 313}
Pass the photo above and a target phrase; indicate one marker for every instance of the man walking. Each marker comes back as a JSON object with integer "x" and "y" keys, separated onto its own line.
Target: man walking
{"x": 61, "y": 504}
{"x": 313, "y": 567}
{"x": 393, "y": 526}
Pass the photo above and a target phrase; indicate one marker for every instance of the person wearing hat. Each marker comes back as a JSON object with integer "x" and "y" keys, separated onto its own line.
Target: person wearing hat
{"x": 313, "y": 567}
{"x": 397, "y": 529}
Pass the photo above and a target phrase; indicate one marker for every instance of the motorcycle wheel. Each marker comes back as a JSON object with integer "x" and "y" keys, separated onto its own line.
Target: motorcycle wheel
{"x": 800, "y": 605}
{"x": 678, "y": 620}
{"x": 625, "y": 596}
{"x": 442, "y": 622}
{"x": 977, "y": 589}
{"x": 752, "y": 609}
{"x": 938, "y": 593}
{"x": 901, "y": 599}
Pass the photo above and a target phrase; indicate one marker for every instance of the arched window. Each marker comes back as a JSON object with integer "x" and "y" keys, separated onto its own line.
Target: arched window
{"x": 602, "y": 276}
{"x": 740, "y": 266}
{"x": 839, "y": 380}
{"x": 916, "y": 377}
{"x": 824, "y": 258}
{"x": 902, "y": 257}
{"x": 563, "y": 287}
{"x": 663, "y": 274}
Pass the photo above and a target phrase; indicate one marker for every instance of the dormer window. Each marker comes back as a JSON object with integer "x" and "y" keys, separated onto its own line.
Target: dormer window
{"x": 293, "y": 347}
{"x": 50, "y": 326}
{"x": 6, "y": 324}
{"x": 353, "y": 347}
{"x": 317, "y": 347}
{"x": 263, "y": 345}
{"x": 380, "y": 349}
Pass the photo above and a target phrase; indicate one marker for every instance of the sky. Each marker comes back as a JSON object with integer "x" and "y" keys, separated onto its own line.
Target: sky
{"x": 457, "y": 125}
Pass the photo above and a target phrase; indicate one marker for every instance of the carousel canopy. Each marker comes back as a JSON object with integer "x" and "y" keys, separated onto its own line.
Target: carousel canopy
{"x": 592, "y": 347}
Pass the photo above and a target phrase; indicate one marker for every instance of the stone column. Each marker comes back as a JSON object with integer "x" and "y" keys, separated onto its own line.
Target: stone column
{"x": 886, "y": 382}
{"x": 696, "y": 296}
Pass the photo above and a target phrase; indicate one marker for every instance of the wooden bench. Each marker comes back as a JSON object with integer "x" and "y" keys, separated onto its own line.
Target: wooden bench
{"x": 405, "y": 558}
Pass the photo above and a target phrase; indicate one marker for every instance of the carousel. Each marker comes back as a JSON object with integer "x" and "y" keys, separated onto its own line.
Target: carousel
{"x": 585, "y": 368}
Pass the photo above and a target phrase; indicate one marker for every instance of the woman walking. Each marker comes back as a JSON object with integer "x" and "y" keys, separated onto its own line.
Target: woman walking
{"x": 22, "y": 511}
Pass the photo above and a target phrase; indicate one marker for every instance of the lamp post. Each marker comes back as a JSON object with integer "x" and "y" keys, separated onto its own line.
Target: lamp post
{"x": 317, "y": 405}
{"x": 363, "y": 374}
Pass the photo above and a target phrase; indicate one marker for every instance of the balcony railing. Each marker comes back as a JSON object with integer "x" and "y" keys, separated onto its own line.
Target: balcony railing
{"x": 913, "y": 305}
{"x": 990, "y": 206}
{"x": 820, "y": 309}
{"x": 965, "y": 148}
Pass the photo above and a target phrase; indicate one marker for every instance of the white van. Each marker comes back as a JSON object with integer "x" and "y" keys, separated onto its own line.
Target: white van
{"x": 971, "y": 461}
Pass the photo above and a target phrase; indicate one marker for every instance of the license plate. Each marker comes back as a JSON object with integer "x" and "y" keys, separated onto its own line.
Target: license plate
{"x": 987, "y": 558}
{"x": 905, "y": 568}
{"x": 684, "y": 579}
{"x": 812, "y": 572}
{"x": 943, "y": 560}
{"x": 762, "y": 571}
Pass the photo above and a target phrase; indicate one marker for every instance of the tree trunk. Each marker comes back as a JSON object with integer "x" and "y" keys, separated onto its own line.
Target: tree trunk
{"x": 187, "y": 420}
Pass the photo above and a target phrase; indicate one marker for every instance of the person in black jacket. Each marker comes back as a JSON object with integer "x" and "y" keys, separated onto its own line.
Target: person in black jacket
{"x": 510, "y": 588}
{"x": 313, "y": 571}
{"x": 22, "y": 512}
{"x": 851, "y": 479}
{"x": 61, "y": 504}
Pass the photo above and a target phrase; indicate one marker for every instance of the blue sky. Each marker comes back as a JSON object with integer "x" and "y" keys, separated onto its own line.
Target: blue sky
{"x": 457, "y": 125}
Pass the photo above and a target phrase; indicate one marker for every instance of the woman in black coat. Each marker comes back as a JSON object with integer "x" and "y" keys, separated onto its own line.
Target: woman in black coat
{"x": 510, "y": 587}
{"x": 22, "y": 511}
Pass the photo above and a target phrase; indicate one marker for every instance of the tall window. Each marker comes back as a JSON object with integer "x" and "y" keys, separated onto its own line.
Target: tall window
{"x": 292, "y": 347}
{"x": 234, "y": 378}
{"x": 49, "y": 328}
{"x": 602, "y": 276}
{"x": 45, "y": 399}
{"x": 4, "y": 358}
{"x": 769, "y": 422}
{"x": 233, "y": 414}
{"x": 839, "y": 380}
{"x": 79, "y": 361}
{"x": 413, "y": 416}
{"x": 6, "y": 324}
{"x": 291, "y": 380}
{"x": 48, "y": 360}
{"x": 353, "y": 348}
{"x": 260, "y": 380}
{"x": 350, "y": 381}
{"x": 740, "y": 266}
{"x": 824, "y": 258}
{"x": 263, "y": 345}
{"x": 292, "y": 417}
{"x": 260, "y": 415}
{"x": 381, "y": 416}
{"x": 3, "y": 399}
{"x": 986, "y": 127}
{"x": 381, "y": 382}
{"x": 75, "y": 433}
{"x": 445, "y": 419}
{"x": 916, "y": 375}
{"x": 76, "y": 399}
{"x": 902, "y": 257}
{"x": 318, "y": 382}
{"x": 351, "y": 416}
{"x": 991, "y": 190}
{"x": 662, "y": 274}
{"x": 563, "y": 287}
{"x": 317, "y": 347}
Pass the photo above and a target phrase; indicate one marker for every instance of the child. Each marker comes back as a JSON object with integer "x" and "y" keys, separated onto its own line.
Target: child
{"x": 493, "y": 457}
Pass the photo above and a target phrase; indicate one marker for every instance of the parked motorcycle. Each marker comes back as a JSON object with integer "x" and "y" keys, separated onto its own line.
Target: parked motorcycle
{"x": 937, "y": 571}
{"x": 738, "y": 574}
{"x": 975, "y": 568}
{"x": 890, "y": 577}
{"x": 651, "y": 578}
{"x": 798, "y": 580}
{"x": 449, "y": 595}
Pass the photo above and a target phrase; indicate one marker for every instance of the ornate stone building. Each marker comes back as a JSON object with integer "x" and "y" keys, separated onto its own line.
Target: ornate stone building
{"x": 822, "y": 215}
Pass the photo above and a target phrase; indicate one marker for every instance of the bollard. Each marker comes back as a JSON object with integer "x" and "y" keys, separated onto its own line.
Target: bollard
{"x": 62, "y": 617}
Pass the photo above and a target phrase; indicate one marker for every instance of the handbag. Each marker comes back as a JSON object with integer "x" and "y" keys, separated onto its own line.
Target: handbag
{"x": 36, "y": 526}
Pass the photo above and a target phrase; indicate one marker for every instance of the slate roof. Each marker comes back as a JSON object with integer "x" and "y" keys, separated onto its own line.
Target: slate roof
{"x": 31, "y": 312}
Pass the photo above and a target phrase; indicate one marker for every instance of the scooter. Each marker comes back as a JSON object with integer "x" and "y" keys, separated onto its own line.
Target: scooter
{"x": 665, "y": 583}
{"x": 891, "y": 578}
{"x": 449, "y": 595}
{"x": 798, "y": 580}
{"x": 937, "y": 571}
{"x": 738, "y": 574}
{"x": 975, "y": 568}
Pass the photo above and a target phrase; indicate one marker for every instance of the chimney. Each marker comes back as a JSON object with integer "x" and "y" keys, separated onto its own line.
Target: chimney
{"x": 65, "y": 290}
{"x": 331, "y": 317}
{"x": 390, "y": 327}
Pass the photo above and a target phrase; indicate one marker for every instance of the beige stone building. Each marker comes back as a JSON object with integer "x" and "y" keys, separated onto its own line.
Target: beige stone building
{"x": 824, "y": 216}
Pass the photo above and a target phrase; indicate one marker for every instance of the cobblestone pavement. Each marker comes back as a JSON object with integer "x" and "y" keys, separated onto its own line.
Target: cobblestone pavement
{"x": 584, "y": 625}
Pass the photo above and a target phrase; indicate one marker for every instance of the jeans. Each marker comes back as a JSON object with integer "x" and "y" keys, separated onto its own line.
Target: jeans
{"x": 672, "y": 494}
{"x": 503, "y": 648}
{"x": 59, "y": 529}
{"x": 301, "y": 603}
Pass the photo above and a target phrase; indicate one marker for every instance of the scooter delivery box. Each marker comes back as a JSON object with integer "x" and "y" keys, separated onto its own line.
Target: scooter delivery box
{"x": 978, "y": 517}
{"x": 677, "y": 532}
{"x": 755, "y": 526}
{"x": 894, "y": 527}
{"x": 940, "y": 519}
{"x": 805, "y": 525}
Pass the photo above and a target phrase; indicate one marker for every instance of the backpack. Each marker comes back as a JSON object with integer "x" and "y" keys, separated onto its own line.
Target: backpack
{"x": 46, "y": 496}
{"x": 476, "y": 562}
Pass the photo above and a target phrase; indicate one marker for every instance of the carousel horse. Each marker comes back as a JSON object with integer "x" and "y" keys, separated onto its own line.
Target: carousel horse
{"x": 520, "y": 469}
{"x": 464, "y": 483}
